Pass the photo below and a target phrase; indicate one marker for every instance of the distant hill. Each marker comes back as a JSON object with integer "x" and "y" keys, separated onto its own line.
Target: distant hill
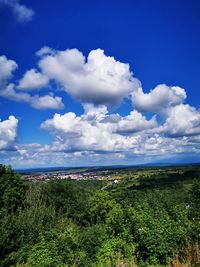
{"x": 96, "y": 168}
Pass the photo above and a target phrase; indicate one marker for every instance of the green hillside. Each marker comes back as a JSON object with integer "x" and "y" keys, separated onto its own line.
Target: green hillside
{"x": 133, "y": 217}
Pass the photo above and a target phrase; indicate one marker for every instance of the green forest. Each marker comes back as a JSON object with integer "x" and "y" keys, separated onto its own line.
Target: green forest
{"x": 153, "y": 220}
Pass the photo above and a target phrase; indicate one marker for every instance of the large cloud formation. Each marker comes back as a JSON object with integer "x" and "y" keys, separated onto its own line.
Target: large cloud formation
{"x": 99, "y": 82}
{"x": 96, "y": 130}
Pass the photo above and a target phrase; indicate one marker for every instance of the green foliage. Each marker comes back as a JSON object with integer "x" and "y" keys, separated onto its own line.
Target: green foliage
{"x": 12, "y": 189}
{"x": 111, "y": 248}
{"x": 44, "y": 254}
{"x": 77, "y": 223}
{"x": 100, "y": 204}
{"x": 195, "y": 197}
{"x": 68, "y": 198}
{"x": 194, "y": 208}
{"x": 159, "y": 232}
{"x": 58, "y": 247}
{"x": 92, "y": 238}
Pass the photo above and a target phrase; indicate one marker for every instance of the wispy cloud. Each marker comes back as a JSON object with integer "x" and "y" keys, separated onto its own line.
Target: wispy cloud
{"x": 21, "y": 12}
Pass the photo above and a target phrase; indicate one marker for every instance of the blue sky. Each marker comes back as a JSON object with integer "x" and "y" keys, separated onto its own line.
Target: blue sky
{"x": 107, "y": 113}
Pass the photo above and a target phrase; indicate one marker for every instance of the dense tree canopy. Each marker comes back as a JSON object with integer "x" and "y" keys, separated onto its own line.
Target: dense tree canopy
{"x": 12, "y": 188}
{"x": 76, "y": 223}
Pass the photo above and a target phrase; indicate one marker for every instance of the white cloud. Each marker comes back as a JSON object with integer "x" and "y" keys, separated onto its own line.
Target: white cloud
{"x": 182, "y": 120}
{"x": 47, "y": 102}
{"x": 8, "y": 133}
{"x": 147, "y": 148}
{"x": 94, "y": 131}
{"x": 39, "y": 102}
{"x": 135, "y": 122}
{"x": 45, "y": 50}
{"x": 33, "y": 79}
{"x": 22, "y": 12}
{"x": 37, "y": 155}
{"x": 161, "y": 97}
{"x": 7, "y": 66}
{"x": 99, "y": 80}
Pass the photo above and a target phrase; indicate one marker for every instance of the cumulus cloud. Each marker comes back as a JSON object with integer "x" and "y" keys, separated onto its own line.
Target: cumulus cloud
{"x": 161, "y": 97}
{"x": 95, "y": 131}
{"x": 99, "y": 79}
{"x": 147, "y": 148}
{"x": 135, "y": 122}
{"x": 21, "y": 12}
{"x": 182, "y": 120}
{"x": 8, "y": 133}
{"x": 39, "y": 102}
{"x": 7, "y": 67}
{"x": 33, "y": 79}
{"x": 100, "y": 82}
{"x": 46, "y": 102}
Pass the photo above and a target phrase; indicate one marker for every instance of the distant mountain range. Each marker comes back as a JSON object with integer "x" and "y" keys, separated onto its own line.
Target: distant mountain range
{"x": 96, "y": 168}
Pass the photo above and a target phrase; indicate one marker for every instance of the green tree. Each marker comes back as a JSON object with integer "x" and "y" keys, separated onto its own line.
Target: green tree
{"x": 12, "y": 189}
